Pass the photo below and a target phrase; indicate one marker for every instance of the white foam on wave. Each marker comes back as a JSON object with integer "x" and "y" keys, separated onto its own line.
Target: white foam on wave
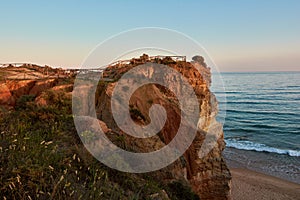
{"x": 251, "y": 146}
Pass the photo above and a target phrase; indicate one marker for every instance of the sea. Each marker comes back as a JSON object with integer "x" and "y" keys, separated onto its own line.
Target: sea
{"x": 260, "y": 112}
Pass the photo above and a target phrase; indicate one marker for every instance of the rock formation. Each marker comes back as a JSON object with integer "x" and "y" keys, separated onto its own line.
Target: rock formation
{"x": 11, "y": 90}
{"x": 208, "y": 176}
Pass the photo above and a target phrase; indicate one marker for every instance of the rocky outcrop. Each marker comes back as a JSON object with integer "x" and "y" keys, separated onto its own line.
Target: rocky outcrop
{"x": 12, "y": 90}
{"x": 6, "y": 97}
{"x": 30, "y": 79}
{"x": 205, "y": 172}
{"x": 41, "y": 86}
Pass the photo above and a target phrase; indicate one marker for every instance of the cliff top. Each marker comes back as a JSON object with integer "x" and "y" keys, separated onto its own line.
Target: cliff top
{"x": 29, "y": 71}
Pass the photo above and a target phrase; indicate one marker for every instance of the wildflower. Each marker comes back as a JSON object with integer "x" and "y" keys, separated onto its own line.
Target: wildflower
{"x": 50, "y": 142}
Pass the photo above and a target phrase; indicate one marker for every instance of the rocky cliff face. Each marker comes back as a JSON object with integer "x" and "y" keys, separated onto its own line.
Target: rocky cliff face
{"x": 11, "y": 90}
{"x": 29, "y": 79}
{"x": 205, "y": 171}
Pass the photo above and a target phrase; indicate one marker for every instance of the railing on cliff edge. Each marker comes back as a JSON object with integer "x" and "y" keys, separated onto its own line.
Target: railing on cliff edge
{"x": 68, "y": 71}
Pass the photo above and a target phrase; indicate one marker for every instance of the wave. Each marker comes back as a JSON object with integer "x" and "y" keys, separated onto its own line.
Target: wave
{"x": 262, "y": 112}
{"x": 256, "y": 126}
{"x": 254, "y": 103}
{"x": 293, "y": 86}
{"x": 239, "y": 130}
{"x": 283, "y": 91}
{"x": 265, "y": 93}
{"x": 251, "y": 146}
{"x": 229, "y": 92}
{"x": 250, "y": 119}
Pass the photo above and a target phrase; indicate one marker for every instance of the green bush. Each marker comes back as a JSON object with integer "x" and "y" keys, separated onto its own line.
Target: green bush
{"x": 180, "y": 191}
{"x": 25, "y": 102}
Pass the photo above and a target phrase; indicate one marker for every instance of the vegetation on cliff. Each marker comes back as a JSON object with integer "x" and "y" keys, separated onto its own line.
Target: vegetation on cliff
{"x": 42, "y": 157}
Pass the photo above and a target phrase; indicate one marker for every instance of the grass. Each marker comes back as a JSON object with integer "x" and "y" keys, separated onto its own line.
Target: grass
{"x": 42, "y": 157}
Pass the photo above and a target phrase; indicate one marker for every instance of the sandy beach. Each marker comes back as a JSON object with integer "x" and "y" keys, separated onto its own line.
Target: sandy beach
{"x": 250, "y": 185}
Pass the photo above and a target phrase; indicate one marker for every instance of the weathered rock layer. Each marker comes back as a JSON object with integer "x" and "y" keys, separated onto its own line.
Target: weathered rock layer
{"x": 203, "y": 169}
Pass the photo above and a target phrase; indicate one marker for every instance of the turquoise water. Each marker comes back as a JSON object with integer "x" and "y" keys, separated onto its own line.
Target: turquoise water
{"x": 262, "y": 120}
{"x": 262, "y": 111}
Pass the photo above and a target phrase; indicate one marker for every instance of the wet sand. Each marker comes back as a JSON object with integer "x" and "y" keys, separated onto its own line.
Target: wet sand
{"x": 250, "y": 185}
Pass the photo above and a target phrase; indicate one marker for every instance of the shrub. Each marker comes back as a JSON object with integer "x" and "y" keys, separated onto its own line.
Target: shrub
{"x": 25, "y": 102}
{"x": 181, "y": 191}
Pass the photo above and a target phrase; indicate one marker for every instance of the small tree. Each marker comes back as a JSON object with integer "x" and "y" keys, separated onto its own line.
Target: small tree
{"x": 200, "y": 60}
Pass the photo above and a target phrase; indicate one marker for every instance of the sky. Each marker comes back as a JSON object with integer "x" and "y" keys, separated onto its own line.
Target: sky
{"x": 248, "y": 35}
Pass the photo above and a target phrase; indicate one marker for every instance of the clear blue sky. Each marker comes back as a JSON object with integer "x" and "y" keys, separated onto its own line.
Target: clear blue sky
{"x": 249, "y": 35}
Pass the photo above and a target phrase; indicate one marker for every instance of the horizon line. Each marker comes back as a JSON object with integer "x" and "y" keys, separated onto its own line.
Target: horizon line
{"x": 66, "y": 68}
{"x": 257, "y": 71}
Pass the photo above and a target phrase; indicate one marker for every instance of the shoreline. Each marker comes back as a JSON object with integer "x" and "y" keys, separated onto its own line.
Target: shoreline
{"x": 278, "y": 165}
{"x": 250, "y": 185}
{"x": 262, "y": 175}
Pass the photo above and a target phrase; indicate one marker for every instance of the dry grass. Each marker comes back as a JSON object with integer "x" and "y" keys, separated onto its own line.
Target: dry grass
{"x": 42, "y": 157}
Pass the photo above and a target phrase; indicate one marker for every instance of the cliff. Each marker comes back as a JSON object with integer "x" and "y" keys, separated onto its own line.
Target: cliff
{"x": 205, "y": 172}
{"x": 28, "y": 79}
{"x": 45, "y": 130}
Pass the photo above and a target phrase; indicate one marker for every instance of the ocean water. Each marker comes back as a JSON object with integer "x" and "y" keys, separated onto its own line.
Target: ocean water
{"x": 261, "y": 113}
